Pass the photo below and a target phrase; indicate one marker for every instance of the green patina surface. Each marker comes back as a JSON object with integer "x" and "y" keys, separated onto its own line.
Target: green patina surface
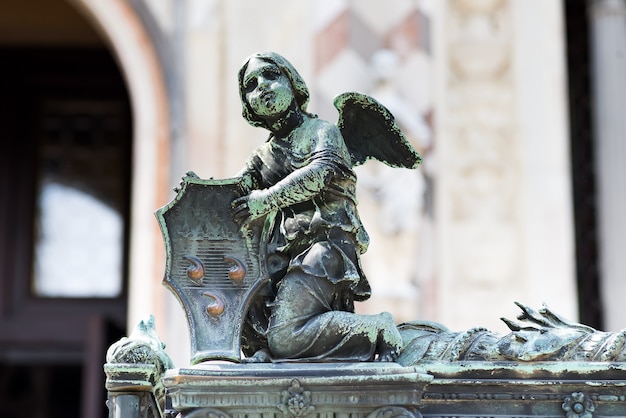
{"x": 267, "y": 267}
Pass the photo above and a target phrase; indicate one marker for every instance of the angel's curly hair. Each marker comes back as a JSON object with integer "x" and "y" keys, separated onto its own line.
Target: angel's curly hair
{"x": 298, "y": 86}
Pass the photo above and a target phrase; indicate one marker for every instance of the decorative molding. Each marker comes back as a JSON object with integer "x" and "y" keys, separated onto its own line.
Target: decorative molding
{"x": 204, "y": 413}
{"x": 296, "y": 390}
{"x": 394, "y": 412}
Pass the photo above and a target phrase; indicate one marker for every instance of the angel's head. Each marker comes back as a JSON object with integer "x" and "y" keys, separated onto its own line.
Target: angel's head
{"x": 266, "y": 71}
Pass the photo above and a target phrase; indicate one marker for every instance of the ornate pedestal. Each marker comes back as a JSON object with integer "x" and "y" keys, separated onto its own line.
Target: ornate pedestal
{"x": 350, "y": 390}
{"x": 220, "y": 389}
{"x": 294, "y": 390}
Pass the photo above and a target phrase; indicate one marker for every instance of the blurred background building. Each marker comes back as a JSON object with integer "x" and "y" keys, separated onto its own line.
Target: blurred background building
{"x": 516, "y": 105}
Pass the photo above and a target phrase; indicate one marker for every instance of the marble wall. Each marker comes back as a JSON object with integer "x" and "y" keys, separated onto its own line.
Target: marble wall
{"x": 503, "y": 198}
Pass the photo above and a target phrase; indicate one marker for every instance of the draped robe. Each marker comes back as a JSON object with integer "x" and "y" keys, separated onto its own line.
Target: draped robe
{"x": 315, "y": 240}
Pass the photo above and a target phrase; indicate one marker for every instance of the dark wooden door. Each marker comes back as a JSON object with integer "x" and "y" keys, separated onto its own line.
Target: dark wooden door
{"x": 65, "y": 167}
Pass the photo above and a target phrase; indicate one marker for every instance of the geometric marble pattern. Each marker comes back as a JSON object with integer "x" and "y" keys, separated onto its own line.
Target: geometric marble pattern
{"x": 350, "y": 33}
{"x": 383, "y": 48}
{"x": 348, "y": 37}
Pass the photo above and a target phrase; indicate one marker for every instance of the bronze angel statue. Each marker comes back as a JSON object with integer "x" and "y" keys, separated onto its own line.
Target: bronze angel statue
{"x": 301, "y": 183}
{"x": 296, "y": 197}
{"x": 296, "y": 194}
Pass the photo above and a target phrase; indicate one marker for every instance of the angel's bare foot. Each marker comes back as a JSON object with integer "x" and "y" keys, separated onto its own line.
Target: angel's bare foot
{"x": 389, "y": 339}
{"x": 261, "y": 356}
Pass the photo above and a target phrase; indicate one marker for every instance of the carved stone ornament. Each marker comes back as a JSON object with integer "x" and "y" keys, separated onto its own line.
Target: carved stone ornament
{"x": 578, "y": 406}
{"x": 296, "y": 401}
{"x": 137, "y": 362}
{"x": 142, "y": 346}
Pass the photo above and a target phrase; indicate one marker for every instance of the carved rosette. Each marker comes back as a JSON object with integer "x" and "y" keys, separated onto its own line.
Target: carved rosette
{"x": 296, "y": 401}
{"x": 577, "y": 405}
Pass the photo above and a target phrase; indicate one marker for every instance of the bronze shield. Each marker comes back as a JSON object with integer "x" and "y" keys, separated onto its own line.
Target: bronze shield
{"x": 213, "y": 266}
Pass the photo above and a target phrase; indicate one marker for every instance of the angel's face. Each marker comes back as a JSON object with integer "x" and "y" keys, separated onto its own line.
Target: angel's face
{"x": 266, "y": 89}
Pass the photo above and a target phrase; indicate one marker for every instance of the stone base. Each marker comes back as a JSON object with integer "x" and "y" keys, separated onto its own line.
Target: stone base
{"x": 370, "y": 390}
{"x": 217, "y": 389}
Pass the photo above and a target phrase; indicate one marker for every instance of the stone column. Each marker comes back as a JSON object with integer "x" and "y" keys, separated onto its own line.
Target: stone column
{"x": 503, "y": 208}
{"x": 608, "y": 48}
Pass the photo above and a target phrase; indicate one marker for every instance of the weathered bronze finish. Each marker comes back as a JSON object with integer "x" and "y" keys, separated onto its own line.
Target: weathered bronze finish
{"x": 266, "y": 266}
{"x": 538, "y": 336}
{"x": 213, "y": 267}
{"x": 300, "y": 185}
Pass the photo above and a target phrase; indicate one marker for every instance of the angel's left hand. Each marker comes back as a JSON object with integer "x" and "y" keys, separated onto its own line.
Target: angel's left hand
{"x": 251, "y": 207}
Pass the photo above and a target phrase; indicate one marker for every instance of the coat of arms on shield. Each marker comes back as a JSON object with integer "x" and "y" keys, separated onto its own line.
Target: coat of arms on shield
{"x": 213, "y": 265}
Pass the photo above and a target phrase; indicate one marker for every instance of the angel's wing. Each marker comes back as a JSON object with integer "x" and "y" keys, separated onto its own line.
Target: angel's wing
{"x": 370, "y": 131}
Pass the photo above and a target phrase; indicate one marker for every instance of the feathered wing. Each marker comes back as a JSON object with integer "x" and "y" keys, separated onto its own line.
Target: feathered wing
{"x": 370, "y": 131}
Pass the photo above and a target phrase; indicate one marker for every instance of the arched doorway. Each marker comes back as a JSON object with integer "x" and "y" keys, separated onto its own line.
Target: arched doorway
{"x": 70, "y": 123}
